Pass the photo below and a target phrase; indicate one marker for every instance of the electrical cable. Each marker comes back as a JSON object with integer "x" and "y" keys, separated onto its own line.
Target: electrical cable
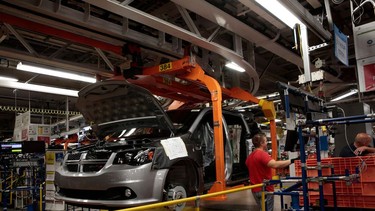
{"x": 362, "y": 166}
{"x": 345, "y": 133}
{"x": 357, "y": 20}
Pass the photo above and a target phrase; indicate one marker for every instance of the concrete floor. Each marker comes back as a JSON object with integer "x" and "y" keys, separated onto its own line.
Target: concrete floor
{"x": 239, "y": 201}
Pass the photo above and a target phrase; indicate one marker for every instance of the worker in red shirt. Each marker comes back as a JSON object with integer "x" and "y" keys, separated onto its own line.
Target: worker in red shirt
{"x": 259, "y": 164}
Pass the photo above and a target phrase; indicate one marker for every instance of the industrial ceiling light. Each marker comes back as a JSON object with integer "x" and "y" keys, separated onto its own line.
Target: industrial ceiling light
{"x": 39, "y": 88}
{"x": 347, "y": 94}
{"x": 235, "y": 66}
{"x": 3, "y": 78}
{"x": 54, "y": 73}
{"x": 274, "y": 94}
{"x": 280, "y": 11}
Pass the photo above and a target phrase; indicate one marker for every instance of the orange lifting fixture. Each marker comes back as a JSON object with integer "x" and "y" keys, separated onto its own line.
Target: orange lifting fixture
{"x": 184, "y": 80}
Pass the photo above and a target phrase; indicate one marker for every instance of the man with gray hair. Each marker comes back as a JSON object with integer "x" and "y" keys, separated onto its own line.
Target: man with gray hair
{"x": 360, "y": 147}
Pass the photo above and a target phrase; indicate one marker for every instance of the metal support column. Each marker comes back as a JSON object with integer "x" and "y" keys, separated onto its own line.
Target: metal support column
{"x": 306, "y": 104}
{"x": 334, "y": 190}
{"x": 286, "y": 96}
{"x": 303, "y": 168}
{"x": 305, "y": 52}
{"x": 319, "y": 166}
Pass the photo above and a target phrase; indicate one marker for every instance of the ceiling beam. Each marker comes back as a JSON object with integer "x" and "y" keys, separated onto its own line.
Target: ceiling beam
{"x": 312, "y": 23}
{"x": 188, "y": 20}
{"x": 230, "y": 23}
{"x": 33, "y": 26}
{"x": 75, "y": 17}
{"x": 264, "y": 14}
{"x": 11, "y": 54}
{"x": 105, "y": 58}
{"x": 314, "y": 3}
{"x": 21, "y": 39}
{"x": 157, "y": 23}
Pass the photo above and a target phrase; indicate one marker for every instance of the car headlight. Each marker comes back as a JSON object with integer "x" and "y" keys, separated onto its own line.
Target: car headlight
{"x": 134, "y": 157}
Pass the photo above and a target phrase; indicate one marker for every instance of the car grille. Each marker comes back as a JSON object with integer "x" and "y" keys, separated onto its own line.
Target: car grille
{"x": 74, "y": 156}
{"x": 97, "y": 155}
{"x": 87, "y": 161}
{"x": 110, "y": 194}
{"x": 92, "y": 167}
{"x": 72, "y": 167}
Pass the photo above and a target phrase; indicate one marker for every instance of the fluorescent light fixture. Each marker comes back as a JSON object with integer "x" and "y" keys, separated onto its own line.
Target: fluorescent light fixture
{"x": 3, "y": 78}
{"x": 235, "y": 66}
{"x": 268, "y": 122}
{"x": 54, "y": 73}
{"x": 280, "y": 11}
{"x": 257, "y": 105}
{"x": 275, "y": 94}
{"x": 347, "y": 94}
{"x": 39, "y": 88}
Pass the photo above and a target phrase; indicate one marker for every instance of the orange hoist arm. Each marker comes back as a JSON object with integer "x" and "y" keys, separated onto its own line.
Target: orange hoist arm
{"x": 268, "y": 109}
{"x": 187, "y": 69}
{"x": 216, "y": 97}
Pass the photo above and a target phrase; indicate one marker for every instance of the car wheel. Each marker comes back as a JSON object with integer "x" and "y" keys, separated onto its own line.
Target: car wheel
{"x": 175, "y": 192}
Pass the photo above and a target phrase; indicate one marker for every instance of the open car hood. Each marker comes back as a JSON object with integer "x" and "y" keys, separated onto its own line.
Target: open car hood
{"x": 113, "y": 101}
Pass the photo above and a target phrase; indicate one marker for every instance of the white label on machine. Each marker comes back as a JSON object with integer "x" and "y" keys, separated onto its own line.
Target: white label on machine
{"x": 174, "y": 148}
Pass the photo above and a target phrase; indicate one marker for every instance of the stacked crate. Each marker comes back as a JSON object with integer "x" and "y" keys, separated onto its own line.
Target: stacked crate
{"x": 359, "y": 193}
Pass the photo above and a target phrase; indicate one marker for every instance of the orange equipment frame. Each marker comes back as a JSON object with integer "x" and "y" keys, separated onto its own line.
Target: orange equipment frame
{"x": 185, "y": 80}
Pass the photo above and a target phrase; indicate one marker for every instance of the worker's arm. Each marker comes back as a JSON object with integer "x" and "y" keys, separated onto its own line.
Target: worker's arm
{"x": 279, "y": 163}
{"x": 359, "y": 150}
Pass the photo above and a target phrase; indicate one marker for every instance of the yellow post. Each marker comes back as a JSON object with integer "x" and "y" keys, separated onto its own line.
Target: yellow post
{"x": 40, "y": 197}
{"x": 197, "y": 204}
{"x": 263, "y": 199}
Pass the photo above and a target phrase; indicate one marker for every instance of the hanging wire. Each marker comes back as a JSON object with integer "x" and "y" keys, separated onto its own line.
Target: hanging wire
{"x": 362, "y": 165}
{"x": 357, "y": 19}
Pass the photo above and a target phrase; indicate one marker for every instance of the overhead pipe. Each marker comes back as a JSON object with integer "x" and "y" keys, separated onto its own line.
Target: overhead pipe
{"x": 343, "y": 120}
{"x": 298, "y": 91}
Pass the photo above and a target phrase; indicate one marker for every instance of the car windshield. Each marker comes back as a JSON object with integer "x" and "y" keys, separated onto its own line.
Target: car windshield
{"x": 147, "y": 127}
{"x": 120, "y": 132}
{"x": 183, "y": 119}
{"x": 123, "y": 134}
